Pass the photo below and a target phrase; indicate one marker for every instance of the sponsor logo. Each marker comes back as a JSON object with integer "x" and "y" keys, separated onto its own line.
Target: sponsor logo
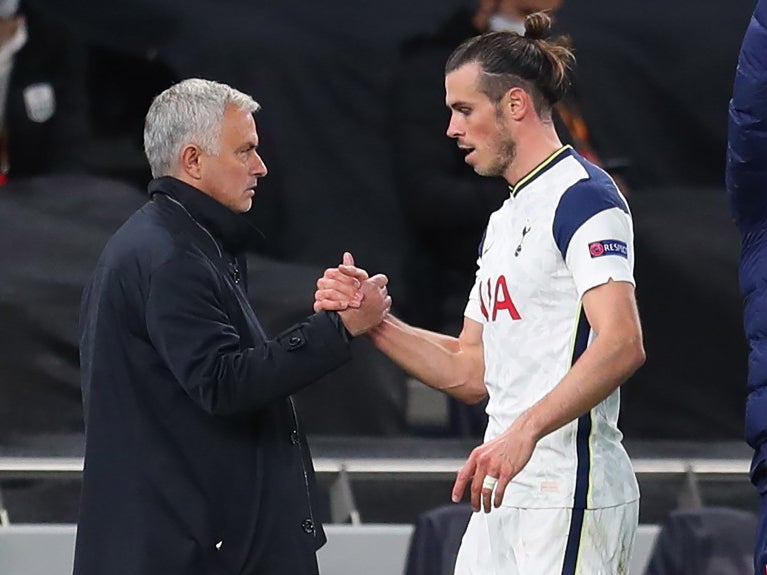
{"x": 496, "y": 298}
{"x": 608, "y": 248}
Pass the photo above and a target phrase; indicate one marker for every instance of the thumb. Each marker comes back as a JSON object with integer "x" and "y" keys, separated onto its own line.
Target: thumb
{"x": 380, "y": 280}
{"x": 348, "y": 259}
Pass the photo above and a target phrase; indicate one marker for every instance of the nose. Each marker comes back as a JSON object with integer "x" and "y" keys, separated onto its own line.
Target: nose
{"x": 452, "y": 128}
{"x": 259, "y": 166}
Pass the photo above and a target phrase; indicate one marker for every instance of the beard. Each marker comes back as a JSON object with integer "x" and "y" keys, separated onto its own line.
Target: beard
{"x": 506, "y": 152}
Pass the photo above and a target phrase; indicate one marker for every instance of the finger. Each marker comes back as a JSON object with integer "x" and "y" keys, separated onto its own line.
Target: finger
{"x": 335, "y": 275}
{"x": 500, "y": 488}
{"x": 461, "y": 479}
{"x": 330, "y": 305}
{"x": 333, "y": 295}
{"x": 476, "y": 489}
{"x": 348, "y": 259}
{"x": 349, "y": 289}
{"x": 380, "y": 280}
{"x": 487, "y": 494}
{"x": 353, "y": 271}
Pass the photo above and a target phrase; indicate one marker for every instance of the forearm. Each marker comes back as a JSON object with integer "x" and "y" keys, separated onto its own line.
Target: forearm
{"x": 439, "y": 361}
{"x": 602, "y": 368}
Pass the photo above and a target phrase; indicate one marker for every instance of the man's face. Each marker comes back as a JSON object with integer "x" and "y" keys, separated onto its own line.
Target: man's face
{"x": 230, "y": 177}
{"x": 479, "y": 125}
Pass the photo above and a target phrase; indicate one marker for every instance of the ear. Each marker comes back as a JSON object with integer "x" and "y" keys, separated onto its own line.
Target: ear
{"x": 191, "y": 161}
{"x": 518, "y": 103}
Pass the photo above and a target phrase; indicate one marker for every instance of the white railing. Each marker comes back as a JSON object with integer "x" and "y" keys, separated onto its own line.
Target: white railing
{"x": 72, "y": 467}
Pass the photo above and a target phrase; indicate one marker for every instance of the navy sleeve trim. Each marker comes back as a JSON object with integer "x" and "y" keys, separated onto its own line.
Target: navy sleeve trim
{"x": 580, "y": 203}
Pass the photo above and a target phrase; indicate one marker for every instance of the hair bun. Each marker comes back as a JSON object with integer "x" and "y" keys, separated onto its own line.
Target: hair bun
{"x": 537, "y": 26}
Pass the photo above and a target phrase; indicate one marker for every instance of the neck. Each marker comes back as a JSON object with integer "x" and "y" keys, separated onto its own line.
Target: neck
{"x": 532, "y": 149}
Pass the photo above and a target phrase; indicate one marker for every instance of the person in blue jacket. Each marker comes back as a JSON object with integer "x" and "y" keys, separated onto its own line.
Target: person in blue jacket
{"x": 746, "y": 176}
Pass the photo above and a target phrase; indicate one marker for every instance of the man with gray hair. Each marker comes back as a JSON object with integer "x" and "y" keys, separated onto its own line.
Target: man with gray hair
{"x": 195, "y": 460}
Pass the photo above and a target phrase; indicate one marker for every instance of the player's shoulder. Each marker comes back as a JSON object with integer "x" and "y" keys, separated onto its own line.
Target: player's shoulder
{"x": 594, "y": 186}
{"x": 595, "y": 192}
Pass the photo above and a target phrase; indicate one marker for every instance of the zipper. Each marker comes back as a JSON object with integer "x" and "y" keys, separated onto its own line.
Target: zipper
{"x": 290, "y": 399}
{"x": 233, "y": 267}
{"x": 303, "y": 466}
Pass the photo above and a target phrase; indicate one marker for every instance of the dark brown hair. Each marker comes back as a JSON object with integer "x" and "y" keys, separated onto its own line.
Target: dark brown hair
{"x": 540, "y": 66}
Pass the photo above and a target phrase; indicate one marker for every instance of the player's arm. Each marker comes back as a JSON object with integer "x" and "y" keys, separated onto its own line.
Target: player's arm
{"x": 454, "y": 365}
{"x": 592, "y": 228}
{"x": 449, "y": 364}
{"x": 616, "y": 352}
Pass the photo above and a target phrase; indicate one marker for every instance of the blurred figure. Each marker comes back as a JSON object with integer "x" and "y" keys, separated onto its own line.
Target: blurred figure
{"x": 43, "y": 103}
{"x": 746, "y": 177}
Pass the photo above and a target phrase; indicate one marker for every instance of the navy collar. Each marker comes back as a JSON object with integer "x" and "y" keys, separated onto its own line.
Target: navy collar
{"x": 544, "y": 166}
{"x": 233, "y": 230}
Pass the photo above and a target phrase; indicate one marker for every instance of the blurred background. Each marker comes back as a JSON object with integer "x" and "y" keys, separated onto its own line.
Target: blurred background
{"x": 352, "y": 129}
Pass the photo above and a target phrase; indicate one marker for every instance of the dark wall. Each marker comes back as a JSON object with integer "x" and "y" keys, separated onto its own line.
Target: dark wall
{"x": 654, "y": 80}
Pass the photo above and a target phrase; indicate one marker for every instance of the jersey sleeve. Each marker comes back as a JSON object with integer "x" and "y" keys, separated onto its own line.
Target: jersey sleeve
{"x": 594, "y": 232}
{"x": 474, "y": 305}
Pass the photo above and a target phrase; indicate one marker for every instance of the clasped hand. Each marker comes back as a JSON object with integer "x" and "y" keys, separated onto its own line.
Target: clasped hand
{"x": 361, "y": 301}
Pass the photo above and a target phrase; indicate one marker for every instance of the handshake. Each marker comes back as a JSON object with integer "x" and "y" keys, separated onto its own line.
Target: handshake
{"x": 361, "y": 301}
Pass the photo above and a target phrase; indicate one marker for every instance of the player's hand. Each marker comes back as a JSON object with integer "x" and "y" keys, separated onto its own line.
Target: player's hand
{"x": 374, "y": 306}
{"x": 340, "y": 288}
{"x": 501, "y": 458}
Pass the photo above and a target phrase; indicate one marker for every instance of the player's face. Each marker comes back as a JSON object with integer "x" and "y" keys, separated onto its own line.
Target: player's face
{"x": 231, "y": 175}
{"x": 478, "y": 125}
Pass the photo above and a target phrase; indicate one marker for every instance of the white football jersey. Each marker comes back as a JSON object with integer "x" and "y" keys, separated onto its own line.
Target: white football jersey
{"x": 564, "y": 229}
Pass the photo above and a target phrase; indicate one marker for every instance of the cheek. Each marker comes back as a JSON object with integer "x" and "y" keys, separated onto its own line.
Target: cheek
{"x": 483, "y": 135}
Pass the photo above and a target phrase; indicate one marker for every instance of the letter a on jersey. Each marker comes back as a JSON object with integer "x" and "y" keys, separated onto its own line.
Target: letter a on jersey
{"x": 500, "y": 298}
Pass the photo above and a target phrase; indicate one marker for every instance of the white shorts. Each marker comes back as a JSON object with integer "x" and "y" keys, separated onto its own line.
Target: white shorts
{"x": 514, "y": 541}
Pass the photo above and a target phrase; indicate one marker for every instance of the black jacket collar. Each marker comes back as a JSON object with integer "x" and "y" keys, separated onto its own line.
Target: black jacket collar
{"x": 228, "y": 227}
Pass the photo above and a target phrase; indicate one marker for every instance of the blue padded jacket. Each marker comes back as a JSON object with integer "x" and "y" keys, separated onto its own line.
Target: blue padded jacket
{"x": 747, "y": 197}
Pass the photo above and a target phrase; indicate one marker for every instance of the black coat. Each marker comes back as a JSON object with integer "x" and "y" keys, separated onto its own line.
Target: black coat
{"x": 195, "y": 460}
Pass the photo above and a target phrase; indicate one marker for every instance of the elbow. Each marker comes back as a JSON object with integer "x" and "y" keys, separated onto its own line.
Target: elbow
{"x": 470, "y": 391}
{"x": 475, "y": 396}
{"x": 634, "y": 354}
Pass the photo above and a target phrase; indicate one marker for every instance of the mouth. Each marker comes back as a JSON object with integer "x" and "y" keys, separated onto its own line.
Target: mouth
{"x": 469, "y": 153}
{"x": 467, "y": 150}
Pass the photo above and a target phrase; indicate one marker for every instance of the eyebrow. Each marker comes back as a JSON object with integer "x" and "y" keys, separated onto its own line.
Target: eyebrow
{"x": 457, "y": 104}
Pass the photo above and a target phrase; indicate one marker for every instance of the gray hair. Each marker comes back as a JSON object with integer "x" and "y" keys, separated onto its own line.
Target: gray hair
{"x": 190, "y": 112}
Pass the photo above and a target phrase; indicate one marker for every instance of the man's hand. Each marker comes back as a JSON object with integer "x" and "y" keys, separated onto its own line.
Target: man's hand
{"x": 501, "y": 458}
{"x": 374, "y": 306}
{"x": 340, "y": 287}
{"x": 362, "y": 302}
